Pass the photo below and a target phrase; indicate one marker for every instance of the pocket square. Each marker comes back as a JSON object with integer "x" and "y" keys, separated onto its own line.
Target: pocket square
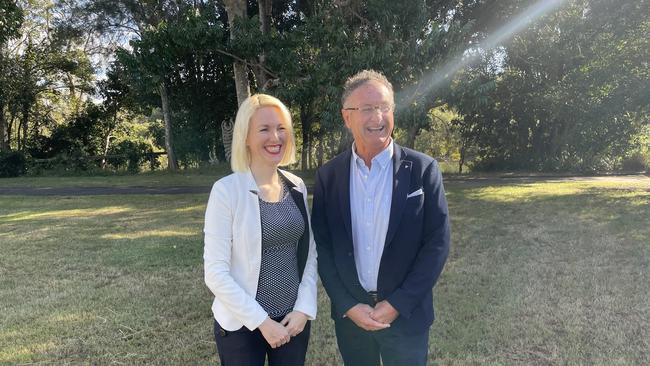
{"x": 416, "y": 193}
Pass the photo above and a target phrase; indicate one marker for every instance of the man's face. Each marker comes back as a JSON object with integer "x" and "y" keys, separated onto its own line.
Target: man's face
{"x": 372, "y": 123}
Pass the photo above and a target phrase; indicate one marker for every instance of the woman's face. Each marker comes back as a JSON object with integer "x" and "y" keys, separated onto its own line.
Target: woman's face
{"x": 267, "y": 136}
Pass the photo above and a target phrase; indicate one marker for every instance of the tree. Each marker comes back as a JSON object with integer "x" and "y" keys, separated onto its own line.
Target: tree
{"x": 568, "y": 94}
{"x": 34, "y": 64}
{"x": 144, "y": 19}
{"x": 237, "y": 11}
{"x": 405, "y": 40}
{"x": 11, "y": 19}
{"x": 189, "y": 52}
{"x": 116, "y": 97}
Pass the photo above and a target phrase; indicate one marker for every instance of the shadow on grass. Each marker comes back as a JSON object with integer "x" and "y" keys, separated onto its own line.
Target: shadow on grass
{"x": 544, "y": 275}
{"x": 124, "y": 231}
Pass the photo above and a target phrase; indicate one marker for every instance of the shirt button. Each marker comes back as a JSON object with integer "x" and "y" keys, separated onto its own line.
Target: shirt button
{"x": 367, "y": 248}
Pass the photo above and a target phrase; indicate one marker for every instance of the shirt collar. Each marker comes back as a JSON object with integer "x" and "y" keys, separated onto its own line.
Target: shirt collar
{"x": 383, "y": 158}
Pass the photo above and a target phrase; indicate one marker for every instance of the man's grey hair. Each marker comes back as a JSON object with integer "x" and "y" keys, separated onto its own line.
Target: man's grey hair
{"x": 362, "y": 77}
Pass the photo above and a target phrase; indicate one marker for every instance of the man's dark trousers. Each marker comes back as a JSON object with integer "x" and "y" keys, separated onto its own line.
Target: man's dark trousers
{"x": 359, "y": 347}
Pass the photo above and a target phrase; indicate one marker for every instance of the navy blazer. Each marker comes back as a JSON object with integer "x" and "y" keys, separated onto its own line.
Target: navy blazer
{"x": 417, "y": 241}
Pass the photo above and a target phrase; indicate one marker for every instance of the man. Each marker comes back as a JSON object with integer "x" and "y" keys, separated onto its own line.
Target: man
{"x": 381, "y": 226}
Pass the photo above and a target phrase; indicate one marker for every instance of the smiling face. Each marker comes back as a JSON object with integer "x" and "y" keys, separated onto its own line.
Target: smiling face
{"x": 267, "y": 137}
{"x": 371, "y": 131}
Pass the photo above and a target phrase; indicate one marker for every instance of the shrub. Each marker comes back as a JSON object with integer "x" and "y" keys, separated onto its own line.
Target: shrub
{"x": 64, "y": 165}
{"x": 12, "y": 164}
{"x": 130, "y": 155}
{"x": 636, "y": 162}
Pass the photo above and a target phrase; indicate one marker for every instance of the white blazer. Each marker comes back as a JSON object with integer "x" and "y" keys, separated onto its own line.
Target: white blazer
{"x": 233, "y": 253}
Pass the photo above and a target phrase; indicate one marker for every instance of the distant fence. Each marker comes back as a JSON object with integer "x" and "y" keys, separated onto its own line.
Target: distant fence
{"x": 150, "y": 156}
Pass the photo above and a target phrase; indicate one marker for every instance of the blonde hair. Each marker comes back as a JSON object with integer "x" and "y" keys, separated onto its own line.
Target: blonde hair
{"x": 240, "y": 158}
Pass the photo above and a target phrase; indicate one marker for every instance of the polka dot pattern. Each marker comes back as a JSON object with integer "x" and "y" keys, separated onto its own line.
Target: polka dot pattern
{"x": 282, "y": 227}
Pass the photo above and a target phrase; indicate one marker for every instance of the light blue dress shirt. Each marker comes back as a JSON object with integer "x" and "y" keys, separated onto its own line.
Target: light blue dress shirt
{"x": 371, "y": 192}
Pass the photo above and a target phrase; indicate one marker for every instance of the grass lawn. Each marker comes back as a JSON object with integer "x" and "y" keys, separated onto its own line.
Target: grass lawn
{"x": 540, "y": 273}
{"x": 193, "y": 177}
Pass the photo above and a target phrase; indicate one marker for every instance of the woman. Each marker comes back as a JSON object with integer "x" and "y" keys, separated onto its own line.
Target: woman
{"x": 259, "y": 255}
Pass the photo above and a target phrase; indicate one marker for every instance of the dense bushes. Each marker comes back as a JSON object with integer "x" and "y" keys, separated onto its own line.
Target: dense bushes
{"x": 126, "y": 156}
{"x": 131, "y": 155}
{"x": 78, "y": 146}
{"x": 636, "y": 162}
{"x": 12, "y": 164}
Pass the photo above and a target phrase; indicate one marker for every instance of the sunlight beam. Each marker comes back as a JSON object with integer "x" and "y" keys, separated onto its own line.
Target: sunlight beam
{"x": 436, "y": 78}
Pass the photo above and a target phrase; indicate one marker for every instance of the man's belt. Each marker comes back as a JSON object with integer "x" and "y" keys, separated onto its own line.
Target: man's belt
{"x": 374, "y": 297}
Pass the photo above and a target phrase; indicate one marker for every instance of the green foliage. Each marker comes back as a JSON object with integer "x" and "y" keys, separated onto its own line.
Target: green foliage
{"x": 186, "y": 55}
{"x": 635, "y": 162}
{"x": 11, "y": 18}
{"x": 44, "y": 75}
{"x": 12, "y": 164}
{"x": 440, "y": 138}
{"x": 80, "y": 137}
{"x": 131, "y": 155}
{"x": 570, "y": 93}
{"x": 79, "y": 145}
{"x": 638, "y": 159}
{"x": 405, "y": 40}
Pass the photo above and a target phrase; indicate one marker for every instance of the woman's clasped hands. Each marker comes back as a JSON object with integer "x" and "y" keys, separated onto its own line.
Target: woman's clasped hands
{"x": 280, "y": 333}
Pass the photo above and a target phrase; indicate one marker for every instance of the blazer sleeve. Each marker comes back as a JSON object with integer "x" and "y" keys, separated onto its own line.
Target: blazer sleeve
{"x": 341, "y": 299}
{"x": 434, "y": 249}
{"x": 307, "y": 291}
{"x": 217, "y": 260}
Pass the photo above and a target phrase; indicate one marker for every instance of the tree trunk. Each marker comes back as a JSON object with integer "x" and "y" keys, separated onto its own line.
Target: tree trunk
{"x": 310, "y": 163}
{"x": 413, "y": 132}
{"x": 344, "y": 143}
{"x": 241, "y": 81}
{"x": 107, "y": 143}
{"x": 24, "y": 124}
{"x": 319, "y": 153}
{"x": 10, "y": 128}
{"x": 172, "y": 163}
{"x": 461, "y": 162}
{"x": 305, "y": 119}
{"x": 107, "y": 139}
{"x": 3, "y": 122}
{"x": 18, "y": 140}
{"x": 73, "y": 91}
{"x": 4, "y": 141}
{"x": 236, "y": 9}
{"x": 265, "y": 9}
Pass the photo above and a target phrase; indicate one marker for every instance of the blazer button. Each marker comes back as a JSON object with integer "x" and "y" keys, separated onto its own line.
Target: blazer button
{"x": 349, "y": 254}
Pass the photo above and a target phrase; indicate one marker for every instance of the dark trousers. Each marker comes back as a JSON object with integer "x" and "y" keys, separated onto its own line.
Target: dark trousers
{"x": 249, "y": 348}
{"x": 359, "y": 347}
